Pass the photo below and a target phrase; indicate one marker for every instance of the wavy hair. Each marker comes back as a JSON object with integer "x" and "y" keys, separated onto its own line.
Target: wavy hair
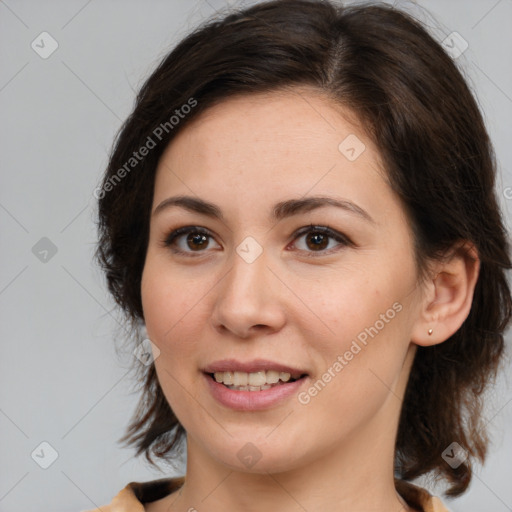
{"x": 415, "y": 105}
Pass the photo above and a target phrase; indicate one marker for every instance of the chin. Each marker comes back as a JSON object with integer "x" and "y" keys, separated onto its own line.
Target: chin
{"x": 258, "y": 456}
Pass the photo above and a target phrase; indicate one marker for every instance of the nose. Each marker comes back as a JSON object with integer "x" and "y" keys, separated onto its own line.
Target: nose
{"x": 249, "y": 299}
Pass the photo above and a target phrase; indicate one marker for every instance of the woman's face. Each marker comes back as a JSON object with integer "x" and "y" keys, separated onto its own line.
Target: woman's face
{"x": 260, "y": 284}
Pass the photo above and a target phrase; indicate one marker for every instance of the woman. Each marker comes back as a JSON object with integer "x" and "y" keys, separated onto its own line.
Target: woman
{"x": 300, "y": 212}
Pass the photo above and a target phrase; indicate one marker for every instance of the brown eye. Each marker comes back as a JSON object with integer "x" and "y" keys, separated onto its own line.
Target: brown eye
{"x": 197, "y": 240}
{"x": 317, "y": 241}
{"x": 318, "y": 238}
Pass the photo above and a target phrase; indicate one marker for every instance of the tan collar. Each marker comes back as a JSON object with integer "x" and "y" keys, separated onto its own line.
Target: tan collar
{"x": 135, "y": 494}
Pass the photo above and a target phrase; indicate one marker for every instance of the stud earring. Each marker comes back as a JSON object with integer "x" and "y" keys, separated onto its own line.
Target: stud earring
{"x": 430, "y": 331}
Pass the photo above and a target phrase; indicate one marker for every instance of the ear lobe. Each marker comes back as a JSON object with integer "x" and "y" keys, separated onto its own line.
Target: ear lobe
{"x": 448, "y": 296}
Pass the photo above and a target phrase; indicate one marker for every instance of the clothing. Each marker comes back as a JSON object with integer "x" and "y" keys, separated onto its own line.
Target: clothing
{"x": 135, "y": 494}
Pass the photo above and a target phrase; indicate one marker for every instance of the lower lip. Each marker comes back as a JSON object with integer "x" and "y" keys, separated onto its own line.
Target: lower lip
{"x": 252, "y": 400}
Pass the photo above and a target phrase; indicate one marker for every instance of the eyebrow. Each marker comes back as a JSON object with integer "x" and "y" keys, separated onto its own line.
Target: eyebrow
{"x": 280, "y": 211}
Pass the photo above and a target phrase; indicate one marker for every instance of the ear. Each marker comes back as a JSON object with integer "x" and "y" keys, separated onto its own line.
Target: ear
{"x": 447, "y": 296}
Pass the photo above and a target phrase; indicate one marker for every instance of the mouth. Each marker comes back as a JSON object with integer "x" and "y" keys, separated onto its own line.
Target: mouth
{"x": 254, "y": 381}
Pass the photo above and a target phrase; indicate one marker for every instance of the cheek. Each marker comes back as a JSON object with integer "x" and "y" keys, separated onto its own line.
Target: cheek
{"x": 170, "y": 314}
{"x": 351, "y": 303}
{"x": 356, "y": 378}
{"x": 170, "y": 307}
{"x": 364, "y": 340}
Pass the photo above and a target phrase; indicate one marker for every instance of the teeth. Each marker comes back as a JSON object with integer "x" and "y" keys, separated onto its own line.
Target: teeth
{"x": 251, "y": 381}
{"x": 250, "y": 388}
{"x": 240, "y": 379}
{"x": 257, "y": 379}
{"x": 285, "y": 377}
{"x": 272, "y": 377}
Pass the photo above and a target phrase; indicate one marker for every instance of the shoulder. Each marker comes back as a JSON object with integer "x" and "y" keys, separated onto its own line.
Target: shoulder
{"x": 133, "y": 496}
{"x": 125, "y": 500}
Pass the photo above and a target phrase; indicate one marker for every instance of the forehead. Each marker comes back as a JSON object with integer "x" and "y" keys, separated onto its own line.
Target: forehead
{"x": 292, "y": 141}
{"x": 302, "y": 119}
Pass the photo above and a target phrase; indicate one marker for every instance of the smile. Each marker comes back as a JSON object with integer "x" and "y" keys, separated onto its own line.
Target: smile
{"x": 255, "y": 381}
{"x": 246, "y": 397}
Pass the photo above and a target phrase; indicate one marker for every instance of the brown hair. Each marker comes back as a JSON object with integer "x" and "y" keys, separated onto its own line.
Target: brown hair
{"x": 414, "y": 103}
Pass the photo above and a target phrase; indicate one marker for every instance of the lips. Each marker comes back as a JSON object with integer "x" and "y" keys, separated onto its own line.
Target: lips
{"x": 248, "y": 398}
{"x": 253, "y": 397}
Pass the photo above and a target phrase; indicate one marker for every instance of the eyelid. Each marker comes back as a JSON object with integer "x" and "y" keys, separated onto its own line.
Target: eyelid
{"x": 327, "y": 230}
{"x": 342, "y": 239}
{"x": 174, "y": 234}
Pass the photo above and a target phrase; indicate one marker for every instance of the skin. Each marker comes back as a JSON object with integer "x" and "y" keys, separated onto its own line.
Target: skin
{"x": 335, "y": 452}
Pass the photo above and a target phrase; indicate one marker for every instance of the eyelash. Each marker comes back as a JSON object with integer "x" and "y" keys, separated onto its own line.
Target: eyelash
{"x": 171, "y": 238}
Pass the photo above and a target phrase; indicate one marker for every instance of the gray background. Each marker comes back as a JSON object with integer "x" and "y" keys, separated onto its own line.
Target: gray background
{"x": 61, "y": 379}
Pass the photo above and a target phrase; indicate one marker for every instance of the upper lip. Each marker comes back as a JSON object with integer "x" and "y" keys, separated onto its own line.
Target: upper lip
{"x": 256, "y": 365}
